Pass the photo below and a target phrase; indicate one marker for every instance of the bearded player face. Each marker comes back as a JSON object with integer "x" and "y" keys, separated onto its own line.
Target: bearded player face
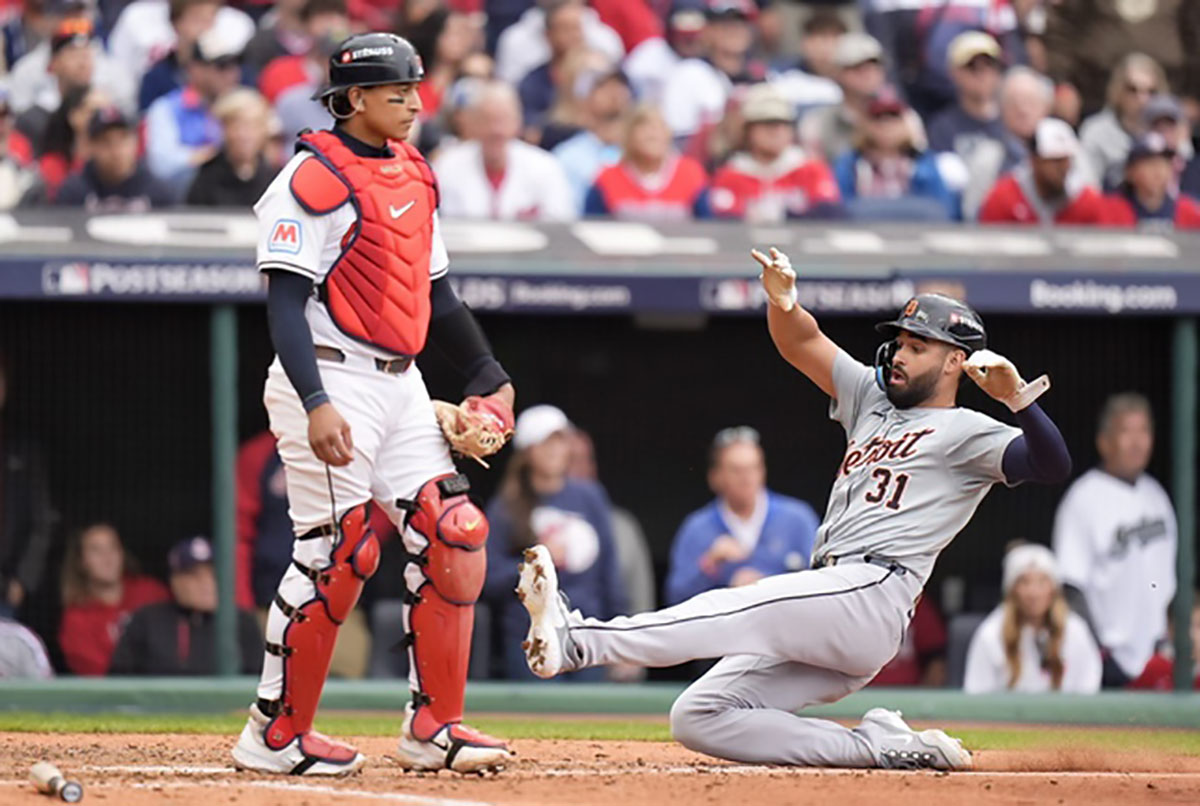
{"x": 918, "y": 366}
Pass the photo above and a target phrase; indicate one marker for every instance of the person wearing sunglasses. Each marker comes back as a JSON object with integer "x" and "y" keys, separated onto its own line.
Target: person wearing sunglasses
{"x": 1108, "y": 135}
{"x": 747, "y": 532}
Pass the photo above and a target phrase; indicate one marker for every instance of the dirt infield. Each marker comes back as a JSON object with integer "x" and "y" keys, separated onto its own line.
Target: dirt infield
{"x": 144, "y": 769}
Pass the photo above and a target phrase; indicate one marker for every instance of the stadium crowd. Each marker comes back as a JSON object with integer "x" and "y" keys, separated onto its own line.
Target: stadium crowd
{"x": 1002, "y": 111}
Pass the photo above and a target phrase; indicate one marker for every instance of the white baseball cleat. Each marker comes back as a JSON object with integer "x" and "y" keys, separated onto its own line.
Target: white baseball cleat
{"x": 899, "y": 747}
{"x": 306, "y": 754}
{"x": 549, "y": 650}
{"x": 453, "y": 746}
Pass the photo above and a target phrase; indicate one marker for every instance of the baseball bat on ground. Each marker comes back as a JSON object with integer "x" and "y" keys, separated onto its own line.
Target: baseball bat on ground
{"x": 49, "y": 780}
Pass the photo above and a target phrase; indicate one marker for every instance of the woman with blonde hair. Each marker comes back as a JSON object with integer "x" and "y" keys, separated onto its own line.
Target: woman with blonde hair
{"x": 1032, "y": 642}
{"x": 1108, "y": 135}
{"x": 652, "y": 181}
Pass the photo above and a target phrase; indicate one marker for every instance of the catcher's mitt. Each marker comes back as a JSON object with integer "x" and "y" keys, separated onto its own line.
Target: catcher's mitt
{"x": 478, "y": 427}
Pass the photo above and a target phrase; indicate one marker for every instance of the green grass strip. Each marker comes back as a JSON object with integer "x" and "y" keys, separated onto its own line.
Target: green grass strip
{"x": 549, "y": 727}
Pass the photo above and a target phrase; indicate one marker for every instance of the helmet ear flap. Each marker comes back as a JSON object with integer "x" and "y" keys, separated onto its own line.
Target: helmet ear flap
{"x": 883, "y": 363}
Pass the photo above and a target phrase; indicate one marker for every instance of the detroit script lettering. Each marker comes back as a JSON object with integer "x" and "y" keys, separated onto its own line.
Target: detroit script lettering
{"x": 878, "y": 449}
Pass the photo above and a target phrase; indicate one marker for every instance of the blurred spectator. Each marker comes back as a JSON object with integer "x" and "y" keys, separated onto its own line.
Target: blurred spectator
{"x": 280, "y": 33}
{"x": 143, "y": 34}
{"x": 887, "y": 161}
{"x": 819, "y": 37}
{"x": 1115, "y": 537}
{"x": 684, "y": 28}
{"x": 1159, "y": 674}
{"x": 1044, "y": 189}
{"x": 1145, "y": 198}
{"x": 189, "y": 19}
{"x": 921, "y": 659}
{"x": 71, "y": 63}
{"x": 180, "y": 636}
{"x": 916, "y": 35}
{"x": 1164, "y": 116}
{"x": 747, "y": 532}
{"x": 772, "y": 178}
{"x": 445, "y": 40}
{"x": 113, "y": 179}
{"x": 652, "y": 181}
{"x": 648, "y": 57}
{"x": 524, "y": 45}
{"x": 1108, "y": 135}
{"x": 265, "y": 540}
{"x": 696, "y": 90}
{"x": 498, "y": 176}
{"x": 28, "y": 522}
{"x": 975, "y": 116}
{"x": 100, "y": 589}
{"x": 239, "y": 173}
{"x": 181, "y": 132}
{"x": 1026, "y": 97}
{"x": 829, "y": 132}
{"x": 22, "y": 653}
{"x": 606, "y": 106}
{"x": 19, "y": 183}
{"x": 295, "y": 109}
{"x": 567, "y": 116}
{"x": 72, "y": 56}
{"x": 802, "y": 86}
{"x": 539, "y": 503}
{"x": 1032, "y": 642}
{"x": 65, "y": 147}
{"x": 1084, "y": 38}
{"x": 564, "y": 35}
{"x": 325, "y": 22}
{"x": 22, "y": 30}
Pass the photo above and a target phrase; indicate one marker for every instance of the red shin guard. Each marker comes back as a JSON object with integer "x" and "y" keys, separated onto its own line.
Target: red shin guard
{"x": 308, "y": 639}
{"x": 442, "y": 615}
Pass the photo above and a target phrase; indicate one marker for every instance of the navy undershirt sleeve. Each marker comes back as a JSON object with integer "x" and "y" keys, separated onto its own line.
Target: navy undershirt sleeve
{"x": 454, "y": 331}
{"x": 287, "y": 294}
{"x": 1040, "y": 453}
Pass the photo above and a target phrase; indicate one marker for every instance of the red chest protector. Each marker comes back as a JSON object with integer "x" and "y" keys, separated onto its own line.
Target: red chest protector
{"x": 377, "y": 291}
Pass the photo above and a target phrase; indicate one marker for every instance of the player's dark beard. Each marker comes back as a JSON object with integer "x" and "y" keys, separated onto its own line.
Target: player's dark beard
{"x": 915, "y": 392}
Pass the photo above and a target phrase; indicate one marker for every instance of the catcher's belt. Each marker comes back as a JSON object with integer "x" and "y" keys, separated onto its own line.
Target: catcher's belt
{"x": 396, "y": 366}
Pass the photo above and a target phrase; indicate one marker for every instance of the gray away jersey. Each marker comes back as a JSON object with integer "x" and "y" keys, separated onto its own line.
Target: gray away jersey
{"x": 911, "y": 478}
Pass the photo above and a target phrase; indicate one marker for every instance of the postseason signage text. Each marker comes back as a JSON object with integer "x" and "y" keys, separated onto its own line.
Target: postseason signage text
{"x": 622, "y": 267}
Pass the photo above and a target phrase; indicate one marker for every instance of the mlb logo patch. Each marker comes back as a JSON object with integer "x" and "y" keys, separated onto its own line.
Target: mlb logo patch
{"x": 285, "y": 237}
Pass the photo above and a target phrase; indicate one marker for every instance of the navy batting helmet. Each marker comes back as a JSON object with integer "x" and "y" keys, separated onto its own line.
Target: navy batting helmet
{"x": 933, "y": 316}
{"x": 369, "y": 60}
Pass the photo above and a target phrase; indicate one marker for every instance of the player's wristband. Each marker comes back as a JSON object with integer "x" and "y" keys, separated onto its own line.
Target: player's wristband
{"x": 317, "y": 398}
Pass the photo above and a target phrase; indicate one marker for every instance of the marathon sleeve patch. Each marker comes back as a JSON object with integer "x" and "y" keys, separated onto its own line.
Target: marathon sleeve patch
{"x": 286, "y": 237}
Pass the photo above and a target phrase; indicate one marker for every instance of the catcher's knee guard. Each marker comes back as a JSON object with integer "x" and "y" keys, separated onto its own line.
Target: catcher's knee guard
{"x": 308, "y": 639}
{"x": 441, "y": 611}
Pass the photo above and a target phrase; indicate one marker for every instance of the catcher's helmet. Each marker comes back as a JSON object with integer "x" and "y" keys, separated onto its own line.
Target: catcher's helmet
{"x": 934, "y": 316}
{"x": 369, "y": 60}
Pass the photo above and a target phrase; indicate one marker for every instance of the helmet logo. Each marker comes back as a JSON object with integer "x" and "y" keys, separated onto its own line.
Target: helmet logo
{"x": 362, "y": 53}
{"x": 345, "y": 57}
{"x": 911, "y": 307}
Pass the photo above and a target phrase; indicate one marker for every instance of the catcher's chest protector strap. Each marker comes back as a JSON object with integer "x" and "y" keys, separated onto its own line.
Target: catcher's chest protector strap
{"x": 377, "y": 291}
{"x": 442, "y": 614}
{"x": 309, "y": 637}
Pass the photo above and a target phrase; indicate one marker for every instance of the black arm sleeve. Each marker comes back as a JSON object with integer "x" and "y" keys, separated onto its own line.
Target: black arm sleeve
{"x": 454, "y": 331}
{"x": 1040, "y": 453}
{"x": 287, "y": 294}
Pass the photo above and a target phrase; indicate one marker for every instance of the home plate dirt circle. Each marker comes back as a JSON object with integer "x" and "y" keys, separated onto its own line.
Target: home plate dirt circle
{"x": 125, "y": 769}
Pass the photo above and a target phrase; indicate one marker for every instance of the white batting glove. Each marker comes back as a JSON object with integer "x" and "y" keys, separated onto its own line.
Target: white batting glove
{"x": 778, "y": 278}
{"x": 997, "y": 376}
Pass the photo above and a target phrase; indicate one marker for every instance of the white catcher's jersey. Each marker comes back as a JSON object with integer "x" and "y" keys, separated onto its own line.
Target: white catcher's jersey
{"x": 290, "y": 239}
{"x": 911, "y": 478}
{"x": 1116, "y": 542}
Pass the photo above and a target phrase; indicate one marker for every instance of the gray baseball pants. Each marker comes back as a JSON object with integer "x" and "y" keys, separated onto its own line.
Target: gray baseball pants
{"x": 787, "y": 642}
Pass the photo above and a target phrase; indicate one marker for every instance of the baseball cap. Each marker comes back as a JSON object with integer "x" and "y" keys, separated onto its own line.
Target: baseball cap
{"x": 1151, "y": 144}
{"x": 537, "y": 424}
{"x": 689, "y": 21}
{"x": 886, "y": 102}
{"x": 187, "y": 554}
{"x": 1028, "y": 557}
{"x": 763, "y": 103}
{"x": 729, "y": 10}
{"x": 1162, "y": 107}
{"x": 969, "y": 44}
{"x": 1054, "y": 139}
{"x": 216, "y": 47}
{"x": 854, "y": 48}
{"x": 105, "y": 118}
{"x": 71, "y": 31}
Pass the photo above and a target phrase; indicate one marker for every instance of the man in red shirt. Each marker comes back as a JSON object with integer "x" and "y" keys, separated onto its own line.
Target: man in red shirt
{"x": 772, "y": 178}
{"x": 1145, "y": 198}
{"x": 1043, "y": 190}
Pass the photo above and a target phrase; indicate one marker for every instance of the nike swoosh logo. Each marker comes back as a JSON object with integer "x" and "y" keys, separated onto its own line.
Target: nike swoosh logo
{"x": 397, "y": 213}
{"x": 470, "y": 525}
